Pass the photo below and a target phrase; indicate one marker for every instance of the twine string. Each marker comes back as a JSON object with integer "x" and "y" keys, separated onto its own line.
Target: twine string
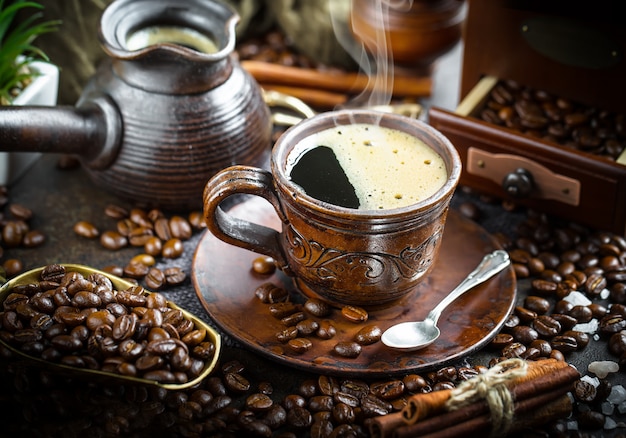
{"x": 491, "y": 387}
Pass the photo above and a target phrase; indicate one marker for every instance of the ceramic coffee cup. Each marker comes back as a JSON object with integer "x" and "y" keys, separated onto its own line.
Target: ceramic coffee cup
{"x": 367, "y": 254}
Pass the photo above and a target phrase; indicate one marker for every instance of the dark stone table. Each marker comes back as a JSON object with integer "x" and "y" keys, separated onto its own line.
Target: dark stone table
{"x": 36, "y": 403}
{"x": 60, "y": 198}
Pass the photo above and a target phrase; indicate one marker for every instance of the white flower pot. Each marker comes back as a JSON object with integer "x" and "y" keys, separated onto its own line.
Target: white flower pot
{"x": 42, "y": 91}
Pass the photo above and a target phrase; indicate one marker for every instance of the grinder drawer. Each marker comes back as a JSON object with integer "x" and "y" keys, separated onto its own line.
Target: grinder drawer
{"x": 534, "y": 169}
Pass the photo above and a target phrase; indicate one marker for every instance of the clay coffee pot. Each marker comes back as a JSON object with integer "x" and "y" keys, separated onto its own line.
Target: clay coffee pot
{"x": 168, "y": 108}
{"x": 417, "y": 32}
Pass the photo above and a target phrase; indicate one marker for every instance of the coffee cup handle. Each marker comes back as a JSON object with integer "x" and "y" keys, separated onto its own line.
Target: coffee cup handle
{"x": 239, "y": 232}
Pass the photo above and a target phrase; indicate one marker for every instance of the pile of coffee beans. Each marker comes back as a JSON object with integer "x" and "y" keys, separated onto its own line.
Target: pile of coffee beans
{"x": 16, "y": 231}
{"x": 233, "y": 401}
{"x": 84, "y": 322}
{"x": 275, "y": 48}
{"x": 556, "y": 119}
{"x": 304, "y": 323}
{"x": 158, "y": 235}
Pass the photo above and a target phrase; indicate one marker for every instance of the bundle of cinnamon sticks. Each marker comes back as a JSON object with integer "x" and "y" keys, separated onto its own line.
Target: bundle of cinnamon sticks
{"x": 326, "y": 89}
{"x": 538, "y": 395}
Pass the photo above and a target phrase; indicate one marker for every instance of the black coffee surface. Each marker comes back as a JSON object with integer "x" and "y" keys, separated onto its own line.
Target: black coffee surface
{"x": 321, "y": 176}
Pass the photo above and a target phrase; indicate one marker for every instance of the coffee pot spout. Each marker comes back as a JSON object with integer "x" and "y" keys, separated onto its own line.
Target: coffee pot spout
{"x": 92, "y": 131}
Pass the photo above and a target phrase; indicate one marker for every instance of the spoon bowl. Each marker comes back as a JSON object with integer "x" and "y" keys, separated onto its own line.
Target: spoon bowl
{"x": 414, "y": 335}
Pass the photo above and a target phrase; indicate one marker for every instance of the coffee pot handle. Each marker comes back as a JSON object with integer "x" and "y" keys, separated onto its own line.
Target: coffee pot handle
{"x": 249, "y": 180}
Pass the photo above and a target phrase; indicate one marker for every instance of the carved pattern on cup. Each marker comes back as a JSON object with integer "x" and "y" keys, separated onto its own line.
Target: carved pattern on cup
{"x": 331, "y": 264}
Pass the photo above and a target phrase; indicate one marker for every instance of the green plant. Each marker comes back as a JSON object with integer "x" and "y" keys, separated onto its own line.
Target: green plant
{"x": 16, "y": 45}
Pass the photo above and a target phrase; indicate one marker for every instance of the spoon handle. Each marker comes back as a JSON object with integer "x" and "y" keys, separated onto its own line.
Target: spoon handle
{"x": 490, "y": 265}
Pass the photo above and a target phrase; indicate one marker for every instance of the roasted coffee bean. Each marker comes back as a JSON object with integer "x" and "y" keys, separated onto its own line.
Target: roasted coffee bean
{"x": 354, "y": 314}
{"x": 144, "y": 259}
{"x": 565, "y": 287}
{"x": 113, "y": 240}
{"x": 172, "y": 248}
{"x": 86, "y": 229}
{"x": 293, "y": 319}
{"x": 12, "y": 267}
{"x": 521, "y": 271}
{"x": 368, "y": 335}
{"x": 546, "y": 326}
{"x": 125, "y": 227}
{"x": 263, "y": 265}
{"x": 536, "y": 266}
{"x": 300, "y": 345}
{"x": 542, "y": 346}
{"x": 564, "y": 344}
{"x": 20, "y": 212}
{"x": 582, "y": 338}
{"x": 595, "y": 284}
{"x": 584, "y": 391}
{"x": 501, "y": 340}
{"x": 283, "y": 309}
{"x": 612, "y": 324}
{"x": 317, "y": 308}
{"x": 162, "y": 229}
{"x": 84, "y": 299}
{"x": 525, "y": 315}
{"x": 66, "y": 343}
{"x": 33, "y": 238}
{"x": 180, "y": 228}
{"x": 194, "y": 337}
{"x": 319, "y": 403}
{"x": 287, "y": 334}
{"x": 136, "y": 270}
{"x": 347, "y": 349}
{"x": 539, "y": 305}
{"x": 153, "y": 246}
{"x": 124, "y": 327}
{"x": 155, "y": 279}
{"x": 116, "y": 212}
{"x": 512, "y": 321}
{"x": 591, "y": 420}
{"x": 567, "y": 322}
{"x": 598, "y": 310}
{"x": 388, "y": 390}
{"x": 563, "y": 307}
{"x": 524, "y": 334}
{"x": 307, "y": 327}
{"x": 582, "y": 314}
{"x": 140, "y": 217}
{"x": 174, "y": 276}
{"x": 326, "y": 330}
{"x": 299, "y": 417}
{"x": 515, "y": 349}
{"x": 617, "y": 343}
{"x": 53, "y": 273}
{"x": 618, "y": 309}
{"x": 12, "y": 234}
{"x": 10, "y": 321}
{"x": 344, "y": 416}
{"x": 258, "y": 402}
{"x": 328, "y": 385}
{"x": 544, "y": 287}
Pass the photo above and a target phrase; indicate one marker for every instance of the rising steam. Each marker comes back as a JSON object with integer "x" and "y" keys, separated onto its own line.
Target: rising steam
{"x": 377, "y": 60}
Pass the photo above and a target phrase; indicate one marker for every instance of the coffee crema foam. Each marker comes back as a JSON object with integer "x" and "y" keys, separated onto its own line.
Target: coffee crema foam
{"x": 388, "y": 168}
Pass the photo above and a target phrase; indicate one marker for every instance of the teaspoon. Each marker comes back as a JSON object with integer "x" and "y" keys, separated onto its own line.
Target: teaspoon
{"x": 409, "y": 336}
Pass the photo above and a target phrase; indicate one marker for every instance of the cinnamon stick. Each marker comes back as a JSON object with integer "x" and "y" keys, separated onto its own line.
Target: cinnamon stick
{"x": 423, "y": 405}
{"x": 314, "y": 98}
{"x": 442, "y": 427}
{"x": 336, "y": 81}
{"x": 542, "y": 377}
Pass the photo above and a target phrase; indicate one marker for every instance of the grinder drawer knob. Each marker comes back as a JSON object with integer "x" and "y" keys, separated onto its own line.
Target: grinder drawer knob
{"x": 518, "y": 183}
